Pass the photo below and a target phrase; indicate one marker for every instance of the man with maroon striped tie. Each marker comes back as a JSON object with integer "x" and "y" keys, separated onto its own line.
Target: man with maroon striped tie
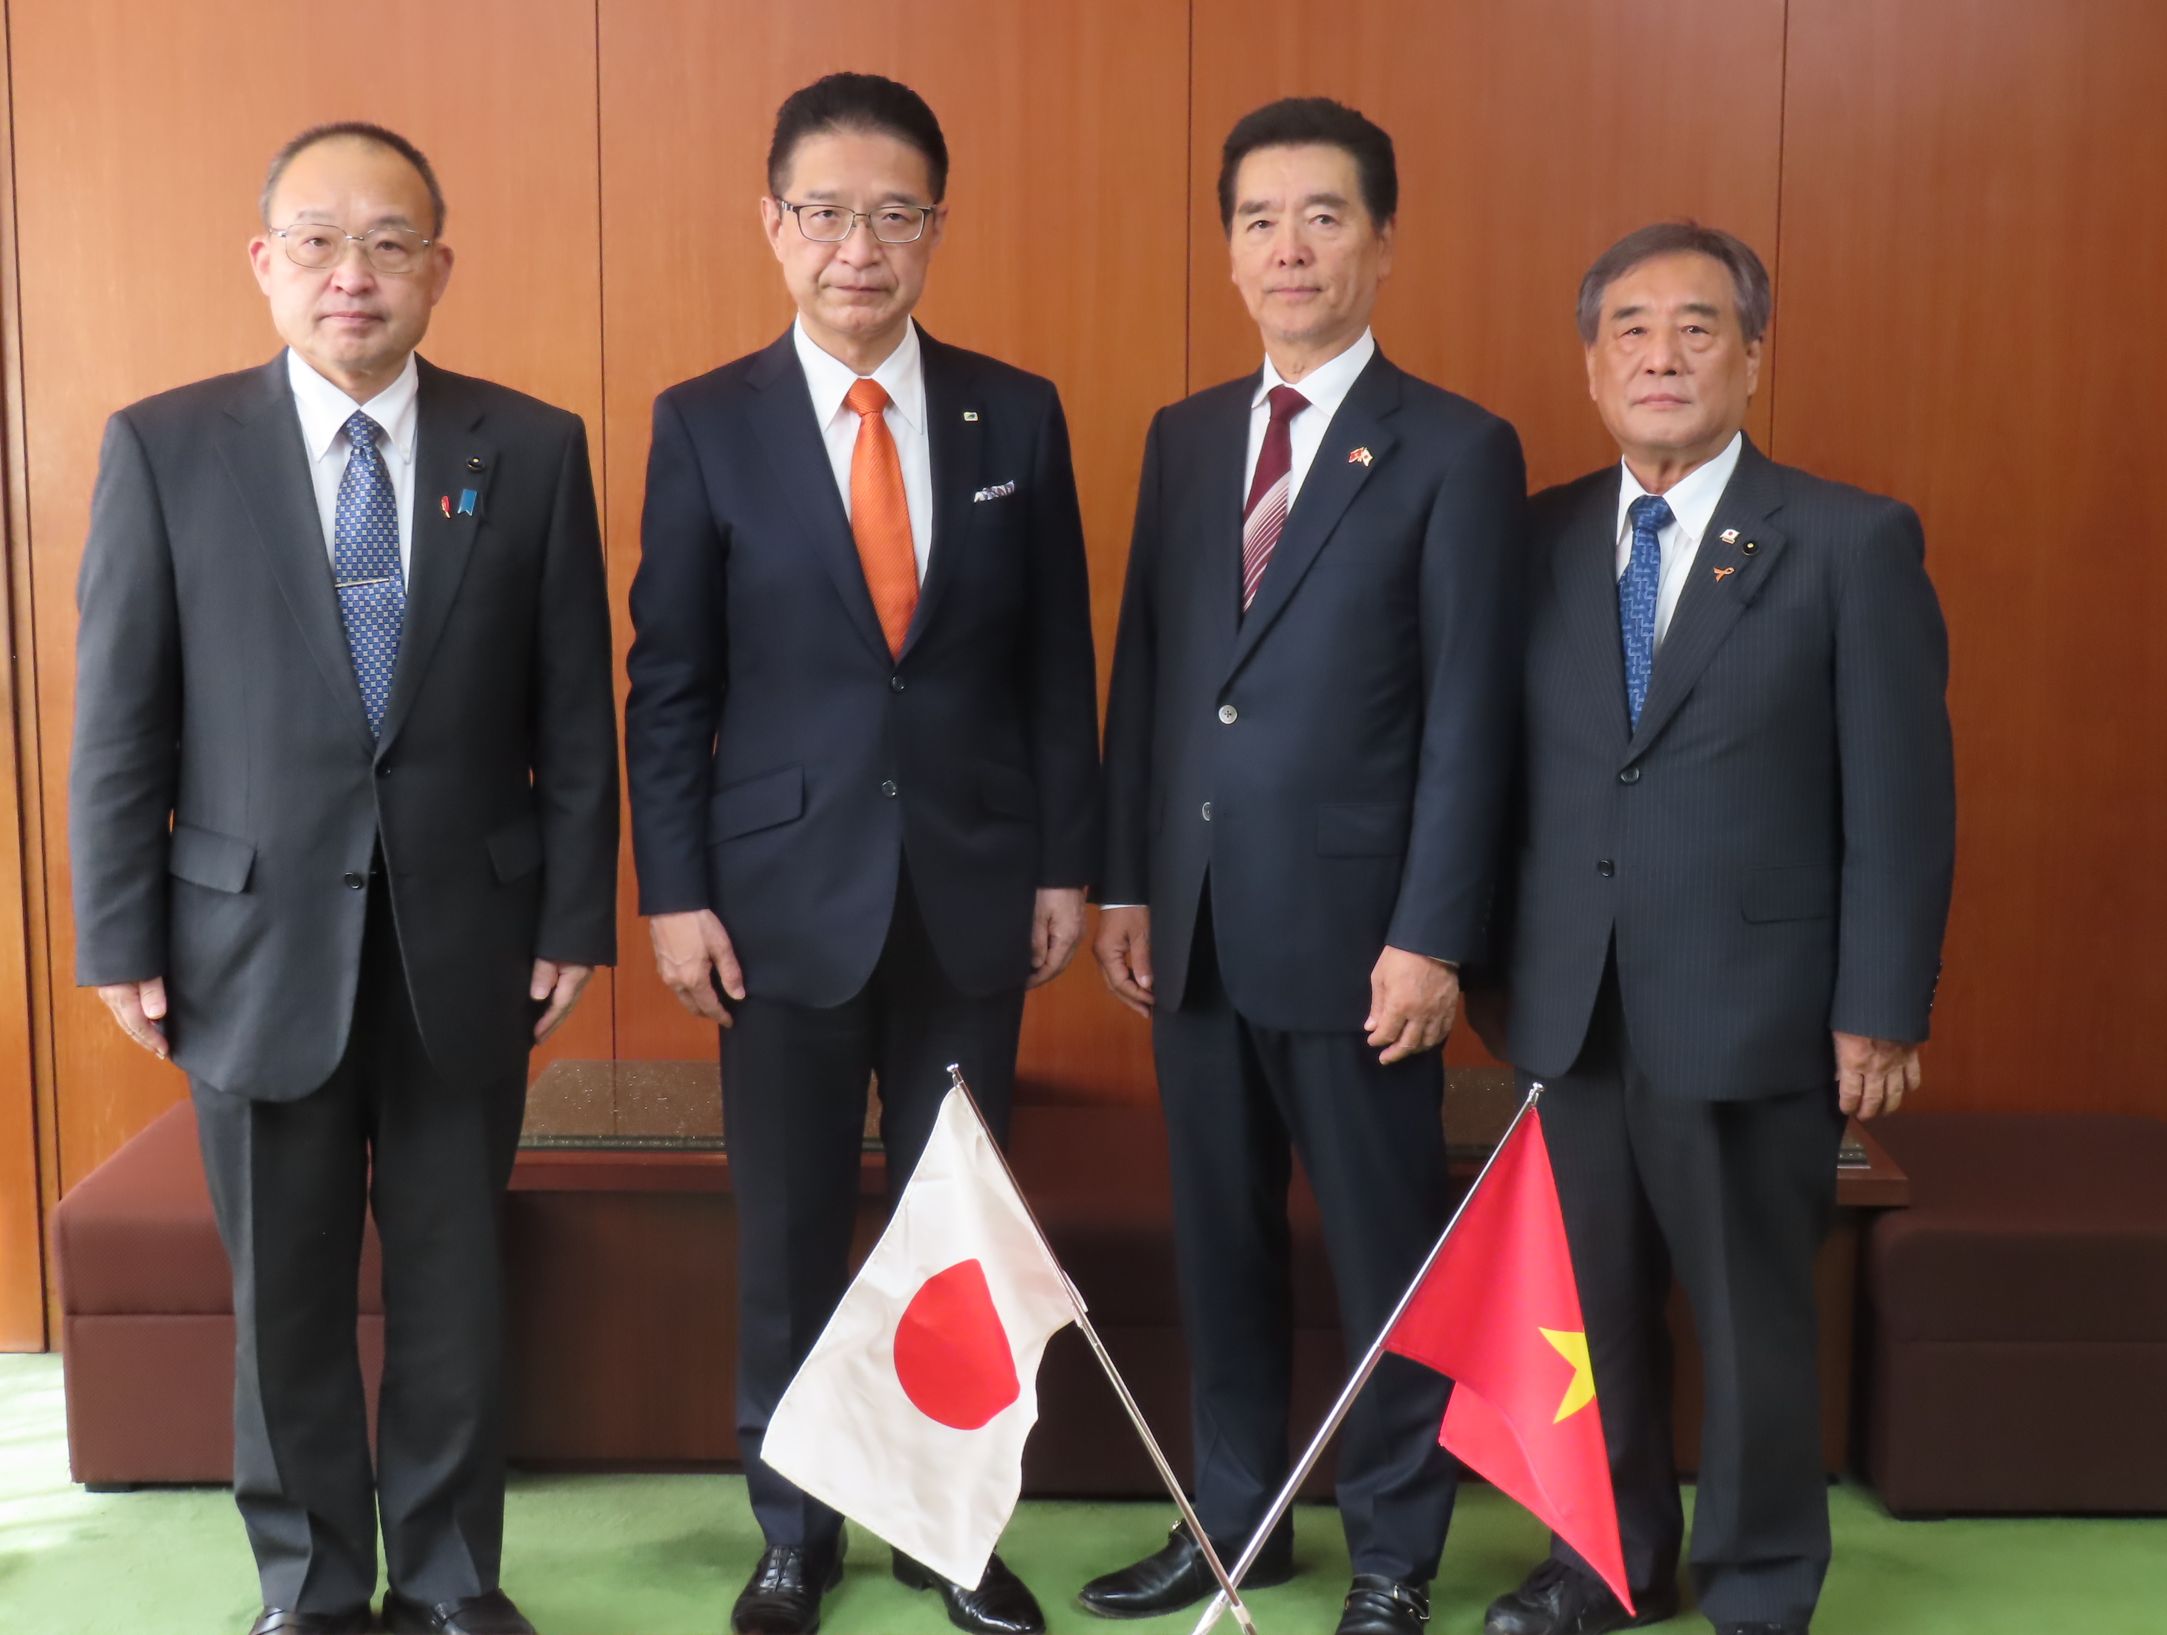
{"x": 1308, "y": 742}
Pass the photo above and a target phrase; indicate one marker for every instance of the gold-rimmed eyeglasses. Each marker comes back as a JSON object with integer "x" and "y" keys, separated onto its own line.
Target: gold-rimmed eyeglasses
{"x": 889, "y": 223}
{"x": 320, "y": 244}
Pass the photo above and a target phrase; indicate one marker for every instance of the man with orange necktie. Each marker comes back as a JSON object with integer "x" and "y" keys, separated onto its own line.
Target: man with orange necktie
{"x": 862, "y": 739}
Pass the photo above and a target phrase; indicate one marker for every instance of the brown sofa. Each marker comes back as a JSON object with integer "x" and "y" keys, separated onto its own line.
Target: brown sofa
{"x": 2018, "y": 1314}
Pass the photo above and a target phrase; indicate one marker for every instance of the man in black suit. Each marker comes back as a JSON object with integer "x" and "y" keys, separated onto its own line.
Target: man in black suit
{"x": 1737, "y": 835}
{"x": 343, "y": 825}
{"x": 862, "y": 739}
{"x": 1308, "y": 744}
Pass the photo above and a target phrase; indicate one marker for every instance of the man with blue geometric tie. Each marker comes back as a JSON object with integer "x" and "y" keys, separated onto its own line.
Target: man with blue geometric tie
{"x": 1736, "y": 836}
{"x": 343, "y": 824}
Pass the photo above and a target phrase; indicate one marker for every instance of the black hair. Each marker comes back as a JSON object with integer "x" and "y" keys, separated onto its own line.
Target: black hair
{"x": 1304, "y": 121}
{"x": 857, "y": 102}
{"x": 358, "y": 130}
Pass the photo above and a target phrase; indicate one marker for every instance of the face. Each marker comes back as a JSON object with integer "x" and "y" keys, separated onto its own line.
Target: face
{"x": 354, "y": 324}
{"x": 1307, "y": 256}
{"x": 1671, "y": 371}
{"x": 860, "y": 291}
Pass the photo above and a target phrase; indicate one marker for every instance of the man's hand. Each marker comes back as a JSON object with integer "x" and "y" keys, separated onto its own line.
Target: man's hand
{"x": 1873, "y": 1076}
{"x": 561, "y": 985}
{"x": 1123, "y": 949}
{"x": 1056, "y": 929}
{"x": 691, "y": 949}
{"x": 1412, "y": 1002}
{"x": 139, "y": 1007}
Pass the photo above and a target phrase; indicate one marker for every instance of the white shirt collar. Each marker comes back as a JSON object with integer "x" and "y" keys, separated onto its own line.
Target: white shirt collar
{"x": 901, "y": 375}
{"x": 1692, "y": 498}
{"x": 1325, "y": 386}
{"x": 325, "y": 409}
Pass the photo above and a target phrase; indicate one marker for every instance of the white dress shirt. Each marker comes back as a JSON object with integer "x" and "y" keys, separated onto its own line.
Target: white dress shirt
{"x": 902, "y": 376}
{"x": 1326, "y": 387}
{"x": 324, "y": 411}
{"x": 1692, "y": 499}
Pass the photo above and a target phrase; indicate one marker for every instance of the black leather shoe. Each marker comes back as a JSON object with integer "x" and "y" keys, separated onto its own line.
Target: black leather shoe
{"x": 1002, "y": 1604}
{"x": 1559, "y": 1599}
{"x": 1377, "y": 1605}
{"x": 489, "y": 1614}
{"x": 285, "y": 1621}
{"x": 783, "y": 1595}
{"x": 1176, "y": 1576}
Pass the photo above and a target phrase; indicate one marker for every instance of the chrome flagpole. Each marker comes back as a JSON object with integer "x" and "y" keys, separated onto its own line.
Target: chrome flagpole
{"x": 1228, "y": 1593}
{"x": 1315, "y": 1451}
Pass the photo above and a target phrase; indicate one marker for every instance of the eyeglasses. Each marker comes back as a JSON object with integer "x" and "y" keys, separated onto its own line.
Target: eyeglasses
{"x": 318, "y": 244}
{"x": 831, "y": 224}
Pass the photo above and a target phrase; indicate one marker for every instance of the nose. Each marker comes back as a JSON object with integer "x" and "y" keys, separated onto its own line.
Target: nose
{"x": 859, "y": 247}
{"x": 1289, "y": 247}
{"x": 1662, "y": 356}
{"x": 351, "y": 271}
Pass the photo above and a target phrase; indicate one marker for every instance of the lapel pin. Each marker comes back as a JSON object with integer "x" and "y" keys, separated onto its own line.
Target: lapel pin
{"x": 1729, "y": 536}
{"x": 1361, "y": 454}
{"x": 445, "y": 502}
{"x": 1750, "y": 546}
{"x": 970, "y": 417}
{"x": 467, "y": 497}
{"x": 474, "y": 462}
{"x": 1723, "y": 574}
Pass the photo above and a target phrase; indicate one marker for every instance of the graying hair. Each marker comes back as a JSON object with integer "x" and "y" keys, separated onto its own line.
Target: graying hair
{"x": 354, "y": 130}
{"x": 1749, "y": 279}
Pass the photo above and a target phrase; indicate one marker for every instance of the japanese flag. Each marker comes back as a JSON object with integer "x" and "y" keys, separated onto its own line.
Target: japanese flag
{"x": 910, "y": 1414}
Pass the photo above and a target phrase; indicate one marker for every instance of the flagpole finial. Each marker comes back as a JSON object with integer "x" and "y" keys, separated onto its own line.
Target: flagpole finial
{"x": 955, "y": 1077}
{"x": 1535, "y": 1089}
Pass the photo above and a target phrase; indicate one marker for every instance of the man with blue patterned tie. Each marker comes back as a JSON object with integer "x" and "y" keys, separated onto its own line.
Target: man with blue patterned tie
{"x": 1737, "y": 831}
{"x": 343, "y": 823}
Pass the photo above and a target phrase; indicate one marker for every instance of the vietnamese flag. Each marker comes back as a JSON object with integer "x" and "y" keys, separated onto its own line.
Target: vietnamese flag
{"x": 1499, "y": 1312}
{"x": 910, "y": 1414}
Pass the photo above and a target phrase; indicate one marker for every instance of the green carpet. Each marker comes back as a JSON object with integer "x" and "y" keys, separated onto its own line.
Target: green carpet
{"x": 664, "y": 1555}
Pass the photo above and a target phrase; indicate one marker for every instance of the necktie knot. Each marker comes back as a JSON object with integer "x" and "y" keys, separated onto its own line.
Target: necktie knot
{"x": 361, "y": 431}
{"x": 866, "y": 396}
{"x": 1286, "y": 403}
{"x": 1651, "y": 514}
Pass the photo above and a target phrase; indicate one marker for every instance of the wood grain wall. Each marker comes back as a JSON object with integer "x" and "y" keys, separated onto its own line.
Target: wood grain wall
{"x": 1964, "y": 203}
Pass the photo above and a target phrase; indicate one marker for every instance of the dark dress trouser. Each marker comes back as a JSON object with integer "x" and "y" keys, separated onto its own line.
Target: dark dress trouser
{"x": 1735, "y": 1197}
{"x": 793, "y": 1091}
{"x": 1371, "y": 1140}
{"x": 290, "y": 1182}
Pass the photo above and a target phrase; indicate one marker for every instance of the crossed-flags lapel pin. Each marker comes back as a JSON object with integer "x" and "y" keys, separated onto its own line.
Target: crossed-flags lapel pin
{"x": 1360, "y": 456}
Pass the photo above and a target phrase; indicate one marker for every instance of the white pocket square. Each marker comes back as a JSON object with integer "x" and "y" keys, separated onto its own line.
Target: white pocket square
{"x": 999, "y": 491}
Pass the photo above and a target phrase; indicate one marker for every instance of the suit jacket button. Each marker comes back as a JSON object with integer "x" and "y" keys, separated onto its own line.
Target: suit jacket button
{"x": 1630, "y": 775}
{"x": 887, "y": 787}
{"x": 1229, "y": 714}
{"x": 355, "y": 882}
{"x": 1207, "y": 811}
{"x": 895, "y": 684}
{"x": 383, "y": 769}
{"x": 1605, "y": 868}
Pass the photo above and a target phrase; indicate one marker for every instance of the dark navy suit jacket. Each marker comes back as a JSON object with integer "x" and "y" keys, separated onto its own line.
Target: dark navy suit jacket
{"x": 783, "y": 765}
{"x": 1771, "y": 849}
{"x": 1337, "y": 758}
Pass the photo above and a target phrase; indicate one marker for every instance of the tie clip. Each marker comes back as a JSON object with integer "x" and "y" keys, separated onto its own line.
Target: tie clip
{"x": 353, "y": 584}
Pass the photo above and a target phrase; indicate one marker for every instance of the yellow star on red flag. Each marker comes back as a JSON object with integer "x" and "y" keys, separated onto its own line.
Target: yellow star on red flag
{"x": 1572, "y": 1345}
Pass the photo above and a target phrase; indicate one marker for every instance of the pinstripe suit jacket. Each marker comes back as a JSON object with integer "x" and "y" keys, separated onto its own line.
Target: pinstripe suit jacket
{"x": 1771, "y": 849}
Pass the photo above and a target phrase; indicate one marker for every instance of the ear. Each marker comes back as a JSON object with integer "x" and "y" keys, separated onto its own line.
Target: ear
{"x": 1753, "y": 365}
{"x": 1590, "y": 352}
{"x": 772, "y": 221}
{"x": 1385, "y": 236}
{"x": 441, "y": 275}
{"x": 938, "y": 225}
{"x": 259, "y": 260}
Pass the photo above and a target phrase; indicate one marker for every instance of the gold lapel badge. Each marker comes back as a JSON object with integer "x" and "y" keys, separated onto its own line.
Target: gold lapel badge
{"x": 1729, "y": 536}
{"x": 1723, "y": 574}
{"x": 970, "y": 417}
{"x": 1750, "y": 546}
{"x": 1362, "y": 455}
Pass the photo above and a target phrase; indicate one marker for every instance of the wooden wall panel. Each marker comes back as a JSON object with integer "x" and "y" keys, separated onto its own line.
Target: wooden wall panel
{"x": 1529, "y": 137}
{"x": 1974, "y": 246}
{"x": 139, "y": 151}
{"x": 1067, "y": 119}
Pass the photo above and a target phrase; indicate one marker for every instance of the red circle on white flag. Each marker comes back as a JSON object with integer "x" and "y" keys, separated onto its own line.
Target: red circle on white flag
{"x": 952, "y": 1356}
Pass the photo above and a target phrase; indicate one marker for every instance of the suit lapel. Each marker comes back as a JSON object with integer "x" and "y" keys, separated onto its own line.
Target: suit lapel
{"x": 1224, "y": 457}
{"x": 783, "y": 420}
{"x": 958, "y": 451}
{"x": 1335, "y": 476}
{"x": 269, "y": 465}
{"x": 1725, "y": 579}
{"x": 450, "y": 458}
{"x": 1584, "y": 575}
